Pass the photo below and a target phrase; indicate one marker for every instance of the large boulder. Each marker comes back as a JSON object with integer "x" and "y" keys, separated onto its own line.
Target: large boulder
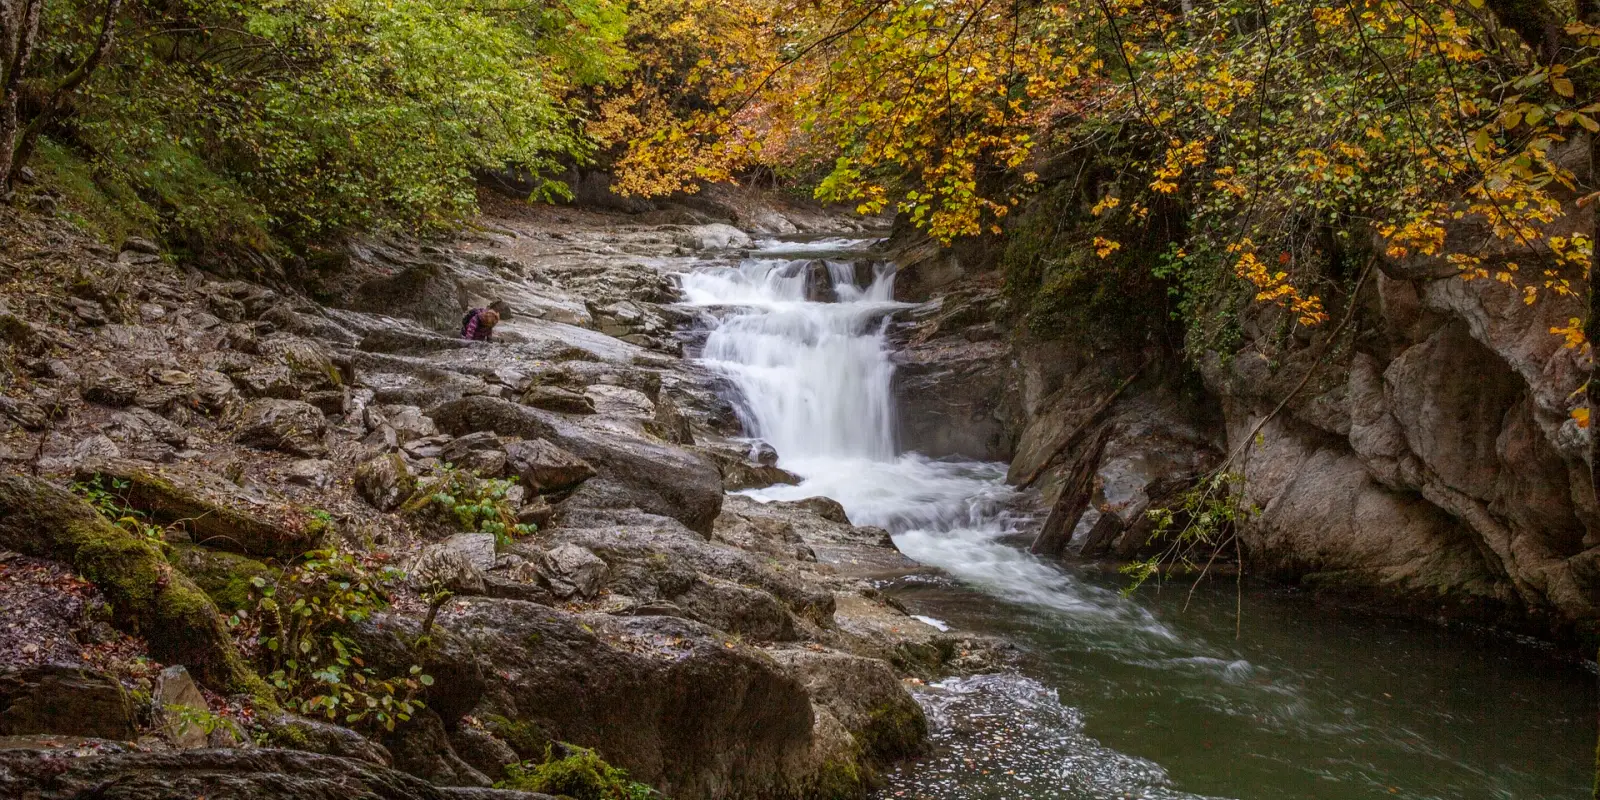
{"x": 654, "y": 558}
{"x": 675, "y": 704}
{"x": 754, "y": 614}
{"x": 641, "y": 473}
{"x": 883, "y": 720}
{"x": 545, "y": 467}
{"x": 147, "y": 596}
{"x": 215, "y": 512}
{"x": 950, "y": 391}
{"x": 1138, "y": 460}
{"x": 422, "y": 748}
{"x": 65, "y": 701}
{"x": 292, "y": 426}
{"x": 388, "y": 643}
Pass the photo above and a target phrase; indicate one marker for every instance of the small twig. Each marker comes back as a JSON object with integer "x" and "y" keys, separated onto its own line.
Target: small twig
{"x": 1332, "y": 340}
{"x": 38, "y": 452}
{"x": 1238, "y": 590}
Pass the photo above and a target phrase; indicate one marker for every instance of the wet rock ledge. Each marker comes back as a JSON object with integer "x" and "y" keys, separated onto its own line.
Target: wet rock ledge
{"x": 530, "y": 539}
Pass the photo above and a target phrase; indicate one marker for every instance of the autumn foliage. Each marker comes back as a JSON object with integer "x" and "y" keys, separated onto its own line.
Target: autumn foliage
{"x": 1291, "y": 133}
{"x": 1292, "y": 136}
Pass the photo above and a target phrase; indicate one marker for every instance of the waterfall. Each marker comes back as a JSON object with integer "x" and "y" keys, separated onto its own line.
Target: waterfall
{"x": 814, "y": 378}
{"x": 805, "y": 345}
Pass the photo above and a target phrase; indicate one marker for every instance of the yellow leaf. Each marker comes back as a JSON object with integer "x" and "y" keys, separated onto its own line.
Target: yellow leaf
{"x": 1563, "y": 86}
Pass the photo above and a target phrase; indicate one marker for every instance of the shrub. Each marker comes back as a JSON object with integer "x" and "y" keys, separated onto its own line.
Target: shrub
{"x": 299, "y": 624}
{"x": 473, "y": 504}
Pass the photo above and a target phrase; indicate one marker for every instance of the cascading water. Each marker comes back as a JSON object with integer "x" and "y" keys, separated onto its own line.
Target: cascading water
{"x": 815, "y": 381}
{"x": 802, "y": 337}
{"x": 814, "y": 378}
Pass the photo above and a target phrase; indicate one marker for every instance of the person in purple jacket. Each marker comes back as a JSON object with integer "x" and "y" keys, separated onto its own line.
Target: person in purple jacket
{"x": 478, "y": 324}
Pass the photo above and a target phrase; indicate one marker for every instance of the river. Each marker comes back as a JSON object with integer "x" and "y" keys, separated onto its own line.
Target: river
{"x": 1149, "y": 696}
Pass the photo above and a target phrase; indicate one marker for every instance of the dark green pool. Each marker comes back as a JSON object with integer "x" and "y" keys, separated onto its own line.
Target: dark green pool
{"x": 1140, "y": 698}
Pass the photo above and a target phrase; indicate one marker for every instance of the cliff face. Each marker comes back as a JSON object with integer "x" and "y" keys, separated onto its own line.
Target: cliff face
{"x": 1433, "y": 457}
{"x": 1423, "y": 457}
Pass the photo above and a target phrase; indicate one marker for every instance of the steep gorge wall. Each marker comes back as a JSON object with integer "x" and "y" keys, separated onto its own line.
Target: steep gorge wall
{"x": 1436, "y": 460}
{"x": 1428, "y": 461}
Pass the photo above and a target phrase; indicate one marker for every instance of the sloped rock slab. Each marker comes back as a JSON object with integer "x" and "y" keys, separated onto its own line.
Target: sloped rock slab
{"x": 656, "y": 478}
{"x": 739, "y": 472}
{"x": 655, "y": 558}
{"x": 669, "y": 700}
{"x": 865, "y": 697}
{"x": 216, "y": 513}
{"x": 63, "y": 700}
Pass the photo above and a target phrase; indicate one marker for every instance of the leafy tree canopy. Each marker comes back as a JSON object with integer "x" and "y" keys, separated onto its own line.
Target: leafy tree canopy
{"x": 1289, "y": 132}
{"x": 304, "y": 117}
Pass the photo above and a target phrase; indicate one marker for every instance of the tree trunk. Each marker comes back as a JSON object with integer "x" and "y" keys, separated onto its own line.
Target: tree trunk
{"x": 19, "y": 28}
{"x": 22, "y": 142}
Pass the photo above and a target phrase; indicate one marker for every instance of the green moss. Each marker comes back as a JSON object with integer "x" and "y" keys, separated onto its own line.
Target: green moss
{"x": 290, "y": 737}
{"x": 286, "y": 530}
{"x": 838, "y": 779}
{"x": 224, "y": 577}
{"x": 894, "y": 730}
{"x": 528, "y": 739}
{"x": 147, "y": 596}
{"x": 319, "y": 526}
{"x": 94, "y": 199}
{"x": 582, "y": 775}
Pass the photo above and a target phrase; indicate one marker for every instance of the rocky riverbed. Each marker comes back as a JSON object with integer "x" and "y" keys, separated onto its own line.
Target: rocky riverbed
{"x": 176, "y": 443}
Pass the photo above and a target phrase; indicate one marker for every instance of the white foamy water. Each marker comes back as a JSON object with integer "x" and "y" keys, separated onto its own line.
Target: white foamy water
{"x": 815, "y": 381}
{"x": 814, "y": 378}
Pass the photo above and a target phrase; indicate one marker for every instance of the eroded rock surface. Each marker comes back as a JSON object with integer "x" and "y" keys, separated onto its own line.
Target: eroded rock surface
{"x": 604, "y": 595}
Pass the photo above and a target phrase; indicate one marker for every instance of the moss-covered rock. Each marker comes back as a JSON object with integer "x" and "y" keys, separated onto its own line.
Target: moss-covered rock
{"x": 527, "y": 738}
{"x": 580, "y": 775}
{"x": 1063, "y": 281}
{"x": 224, "y": 577}
{"x": 839, "y": 779}
{"x": 147, "y": 596}
{"x": 216, "y": 513}
{"x": 386, "y": 482}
